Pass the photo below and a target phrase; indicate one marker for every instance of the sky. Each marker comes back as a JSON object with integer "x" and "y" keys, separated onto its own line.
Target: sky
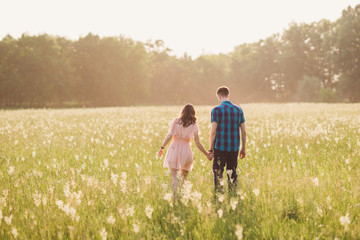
{"x": 193, "y": 27}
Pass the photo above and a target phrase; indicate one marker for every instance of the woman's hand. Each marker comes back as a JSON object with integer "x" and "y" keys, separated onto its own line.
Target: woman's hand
{"x": 210, "y": 156}
{"x": 160, "y": 152}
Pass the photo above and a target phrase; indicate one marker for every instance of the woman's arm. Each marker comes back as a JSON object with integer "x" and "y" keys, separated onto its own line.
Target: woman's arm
{"x": 212, "y": 135}
{"x": 201, "y": 147}
{"x": 166, "y": 141}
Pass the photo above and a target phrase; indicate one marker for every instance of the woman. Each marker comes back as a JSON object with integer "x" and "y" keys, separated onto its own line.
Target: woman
{"x": 179, "y": 155}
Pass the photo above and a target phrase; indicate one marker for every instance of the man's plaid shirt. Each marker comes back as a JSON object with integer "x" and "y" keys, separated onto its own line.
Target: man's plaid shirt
{"x": 228, "y": 118}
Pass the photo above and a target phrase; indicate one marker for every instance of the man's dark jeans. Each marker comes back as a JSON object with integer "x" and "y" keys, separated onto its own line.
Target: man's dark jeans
{"x": 222, "y": 159}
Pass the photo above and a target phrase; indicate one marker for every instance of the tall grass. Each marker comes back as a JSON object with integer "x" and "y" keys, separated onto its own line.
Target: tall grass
{"x": 93, "y": 174}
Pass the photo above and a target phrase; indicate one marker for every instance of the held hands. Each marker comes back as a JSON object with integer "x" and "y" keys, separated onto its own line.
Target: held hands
{"x": 210, "y": 155}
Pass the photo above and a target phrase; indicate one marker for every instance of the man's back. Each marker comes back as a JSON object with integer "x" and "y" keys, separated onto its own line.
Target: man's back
{"x": 228, "y": 118}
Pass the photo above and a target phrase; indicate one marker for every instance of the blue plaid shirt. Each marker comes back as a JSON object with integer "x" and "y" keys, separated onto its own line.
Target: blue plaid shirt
{"x": 228, "y": 118}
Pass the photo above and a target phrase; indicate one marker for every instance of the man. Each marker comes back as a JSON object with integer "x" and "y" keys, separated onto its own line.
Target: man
{"x": 227, "y": 121}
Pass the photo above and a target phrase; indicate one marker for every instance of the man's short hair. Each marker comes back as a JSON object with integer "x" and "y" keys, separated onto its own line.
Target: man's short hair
{"x": 223, "y": 91}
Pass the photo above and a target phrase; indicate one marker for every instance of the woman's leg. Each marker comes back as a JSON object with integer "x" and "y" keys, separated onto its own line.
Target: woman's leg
{"x": 174, "y": 180}
{"x": 184, "y": 174}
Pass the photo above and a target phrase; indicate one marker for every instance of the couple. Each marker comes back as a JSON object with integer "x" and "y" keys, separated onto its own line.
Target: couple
{"x": 227, "y": 120}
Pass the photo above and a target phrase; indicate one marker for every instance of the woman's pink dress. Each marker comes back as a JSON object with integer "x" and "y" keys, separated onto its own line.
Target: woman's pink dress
{"x": 179, "y": 154}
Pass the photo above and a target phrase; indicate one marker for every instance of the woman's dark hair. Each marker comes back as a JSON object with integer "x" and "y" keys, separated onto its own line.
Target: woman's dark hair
{"x": 188, "y": 115}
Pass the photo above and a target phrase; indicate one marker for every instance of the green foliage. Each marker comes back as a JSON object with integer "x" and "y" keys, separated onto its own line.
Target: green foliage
{"x": 308, "y": 89}
{"x": 327, "y": 95}
{"x": 41, "y": 71}
{"x": 348, "y": 54}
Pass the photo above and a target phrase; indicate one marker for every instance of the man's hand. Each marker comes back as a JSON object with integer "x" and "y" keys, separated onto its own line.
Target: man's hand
{"x": 242, "y": 153}
{"x": 210, "y": 156}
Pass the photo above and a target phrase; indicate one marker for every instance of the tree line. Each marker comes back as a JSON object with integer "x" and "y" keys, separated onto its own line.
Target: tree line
{"x": 317, "y": 62}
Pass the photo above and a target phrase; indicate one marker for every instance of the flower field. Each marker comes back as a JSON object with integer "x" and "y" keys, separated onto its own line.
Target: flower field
{"x": 94, "y": 174}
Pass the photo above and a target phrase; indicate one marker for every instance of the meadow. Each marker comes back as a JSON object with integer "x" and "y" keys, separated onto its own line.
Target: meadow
{"x": 94, "y": 174}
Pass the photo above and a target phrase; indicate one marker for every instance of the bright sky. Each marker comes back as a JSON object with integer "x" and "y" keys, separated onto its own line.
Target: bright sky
{"x": 191, "y": 26}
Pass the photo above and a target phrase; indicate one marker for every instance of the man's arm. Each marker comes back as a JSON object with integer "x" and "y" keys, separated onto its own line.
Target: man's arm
{"x": 212, "y": 135}
{"x": 243, "y": 140}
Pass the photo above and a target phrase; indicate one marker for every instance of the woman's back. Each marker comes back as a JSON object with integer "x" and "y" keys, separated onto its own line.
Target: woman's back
{"x": 181, "y": 132}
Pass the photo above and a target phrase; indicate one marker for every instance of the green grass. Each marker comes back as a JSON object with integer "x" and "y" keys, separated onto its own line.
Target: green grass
{"x": 300, "y": 175}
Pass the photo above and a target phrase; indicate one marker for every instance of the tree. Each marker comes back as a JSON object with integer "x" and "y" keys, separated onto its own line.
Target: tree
{"x": 254, "y": 70}
{"x": 348, "y": 53}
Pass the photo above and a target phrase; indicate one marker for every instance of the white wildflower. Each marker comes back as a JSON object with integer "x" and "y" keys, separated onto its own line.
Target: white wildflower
{"x": 111, "y": 220}
{"x": 44, "y": 200}
{"x": 316, "y": 181}
{"x": 14, "y": 232}
{"x": 167, "y": 197}
{"x": 220, "y": 213}
{"x": 239, "y": 231}
{"x": 345, "y": 221}
{"x": 8, "y": 219}
{"x": 130, "y": 211}
{"x": 37, "y": 198}
{"x": 60, "y": 204}
{"x": 11, "y": 170}
{"x": 222, "y": 182}
{"x": 67, "y": 190}
{"x": 103, "y": 234}
{"x": 256, "y": 191}
{"x": 148, "y": 211}
{"x": 319, "y": 211}
{"x": 122, "y": 213}
{"x": 114, "y": 178}
{"x": 106, "y": 163}
{"x": 221, "y": 197}
{"x": 136, "y": 227}
{"x": 233, "y": 203}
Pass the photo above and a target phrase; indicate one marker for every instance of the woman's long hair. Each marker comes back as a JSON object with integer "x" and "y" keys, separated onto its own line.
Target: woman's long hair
{"x": 188, "y": 115}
